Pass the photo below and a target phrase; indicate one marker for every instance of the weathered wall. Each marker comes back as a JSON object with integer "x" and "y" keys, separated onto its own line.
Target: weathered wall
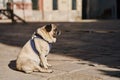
{"x": 64, "y": 12}
{"x": 23, "y": 8}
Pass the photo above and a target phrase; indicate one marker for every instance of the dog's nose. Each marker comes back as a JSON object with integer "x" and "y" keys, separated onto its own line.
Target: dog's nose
{"x": 58, "y": 33}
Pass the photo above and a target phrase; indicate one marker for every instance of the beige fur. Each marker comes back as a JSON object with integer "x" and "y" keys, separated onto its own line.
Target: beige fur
{"x": 28, "y": 61}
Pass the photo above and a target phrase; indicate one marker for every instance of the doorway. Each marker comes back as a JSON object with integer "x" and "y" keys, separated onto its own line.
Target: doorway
{"x": 118, "y": 9}
{"x": 84, "y": 9}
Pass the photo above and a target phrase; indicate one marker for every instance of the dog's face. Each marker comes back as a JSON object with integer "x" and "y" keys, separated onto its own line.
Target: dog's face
{"x": 49, "y": 32}
{"x": 52, "y": 29}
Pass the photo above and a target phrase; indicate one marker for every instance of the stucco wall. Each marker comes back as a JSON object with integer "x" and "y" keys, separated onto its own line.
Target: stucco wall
{"x": 23, "y": 9}
{"x": 64, "y": 12}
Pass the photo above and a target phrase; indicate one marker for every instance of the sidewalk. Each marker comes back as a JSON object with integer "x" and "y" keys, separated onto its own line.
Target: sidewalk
{"x": 84, "y": 51}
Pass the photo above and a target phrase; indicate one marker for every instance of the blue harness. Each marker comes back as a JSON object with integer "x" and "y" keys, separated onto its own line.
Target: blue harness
{"x": 32, "y": 43}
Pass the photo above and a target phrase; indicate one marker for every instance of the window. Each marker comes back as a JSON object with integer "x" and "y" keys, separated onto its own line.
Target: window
{"x": 74, "y": 7}
{"x": 35, "y": 4}
{"x": 55, "y": 4}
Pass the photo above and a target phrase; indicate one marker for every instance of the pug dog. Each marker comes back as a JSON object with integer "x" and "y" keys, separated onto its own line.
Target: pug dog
{"x": 33, "y": 56}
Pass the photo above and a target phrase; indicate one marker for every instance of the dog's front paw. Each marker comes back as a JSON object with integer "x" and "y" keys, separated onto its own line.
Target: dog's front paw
{"x": 45, "y": 67}
{"x": 46, "y": 70}
{"x": 49, "y": 65}
{"x": 50, "y": 71}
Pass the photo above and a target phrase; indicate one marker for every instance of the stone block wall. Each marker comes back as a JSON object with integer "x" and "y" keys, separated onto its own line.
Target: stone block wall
{"x": 23, "y": 8}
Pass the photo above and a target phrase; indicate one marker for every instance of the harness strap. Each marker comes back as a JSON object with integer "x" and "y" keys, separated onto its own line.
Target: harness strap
{"x": 32, "y": 43}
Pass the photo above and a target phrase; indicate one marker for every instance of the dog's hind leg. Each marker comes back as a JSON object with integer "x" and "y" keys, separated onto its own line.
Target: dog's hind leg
{"x": 31, "y": 66}
{"x": 28, "y": 66}
{"x": 38, "y": 68}
{"x": 27, "y": 69}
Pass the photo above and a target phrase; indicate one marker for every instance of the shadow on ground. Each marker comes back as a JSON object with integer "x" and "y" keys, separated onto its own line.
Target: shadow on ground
{"x": 78, "y": 40}
{"x": 111, "y": 73}
{"x": 12, "y": 65}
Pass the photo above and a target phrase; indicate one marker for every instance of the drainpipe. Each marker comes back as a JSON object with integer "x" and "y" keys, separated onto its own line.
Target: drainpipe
{"x": 23, "y": 5}
{"x": 40, "y": 4}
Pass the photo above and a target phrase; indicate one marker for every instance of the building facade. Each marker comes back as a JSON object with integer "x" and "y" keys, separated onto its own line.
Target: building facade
{"x": 64, "y": 10}
{"x": 47, "y": 10}
{"x": 21, "y": 8}
{"x": 59, "y": 10}
{"x": 76, "y": 10}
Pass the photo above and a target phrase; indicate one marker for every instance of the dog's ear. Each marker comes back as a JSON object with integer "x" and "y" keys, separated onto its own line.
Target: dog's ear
{"x": 48, "y": 27}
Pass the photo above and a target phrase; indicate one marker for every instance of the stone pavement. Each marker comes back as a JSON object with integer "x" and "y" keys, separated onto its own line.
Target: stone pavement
{"x": 84, "y": 51}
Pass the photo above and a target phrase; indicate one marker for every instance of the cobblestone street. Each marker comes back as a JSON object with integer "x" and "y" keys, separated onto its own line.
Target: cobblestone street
{"x": 84, "y": 51}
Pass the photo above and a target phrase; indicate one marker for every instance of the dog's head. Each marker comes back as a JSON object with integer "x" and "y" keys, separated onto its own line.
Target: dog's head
{"x": 49, "y": 32}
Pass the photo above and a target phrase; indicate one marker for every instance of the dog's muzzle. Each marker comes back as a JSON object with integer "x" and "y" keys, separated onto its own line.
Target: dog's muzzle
{"x": 57, "y": 33}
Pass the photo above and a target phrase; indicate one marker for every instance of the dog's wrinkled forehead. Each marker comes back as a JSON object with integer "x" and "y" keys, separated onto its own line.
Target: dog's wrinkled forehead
{"x": 50, "y": 27}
